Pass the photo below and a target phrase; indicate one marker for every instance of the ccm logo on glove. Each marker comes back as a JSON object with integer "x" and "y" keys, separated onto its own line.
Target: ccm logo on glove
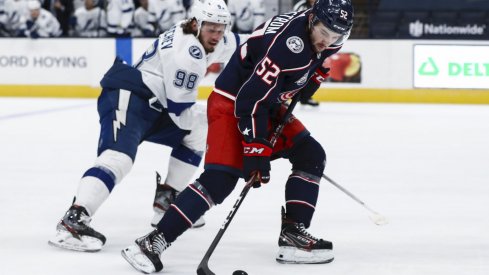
{"x": 256, "y": 149}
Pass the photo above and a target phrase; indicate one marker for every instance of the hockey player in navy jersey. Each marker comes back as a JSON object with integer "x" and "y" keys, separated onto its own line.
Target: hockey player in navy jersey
{"x": 153, "y": 101}
{"x": 282, "y": 57}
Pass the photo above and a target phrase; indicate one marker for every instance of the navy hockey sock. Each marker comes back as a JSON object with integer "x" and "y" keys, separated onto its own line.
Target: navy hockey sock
{"x": 301, "y": 193}
{"x": 105, "y": 175}
{"x": 189, "y": 206}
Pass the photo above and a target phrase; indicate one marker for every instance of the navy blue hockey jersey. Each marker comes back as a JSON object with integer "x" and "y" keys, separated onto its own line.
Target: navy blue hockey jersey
{"x": 271, "y": 67}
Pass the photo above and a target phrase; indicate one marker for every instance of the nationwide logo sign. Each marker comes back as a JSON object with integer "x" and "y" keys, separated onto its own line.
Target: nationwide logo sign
{"x": 451, "y": 66}
{"x": 420, "y": 29}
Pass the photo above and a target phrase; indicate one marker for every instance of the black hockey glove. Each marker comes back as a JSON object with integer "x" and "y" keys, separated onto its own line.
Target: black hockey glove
{"x": 314, "y": 82}
{"x": 256, "y": 160}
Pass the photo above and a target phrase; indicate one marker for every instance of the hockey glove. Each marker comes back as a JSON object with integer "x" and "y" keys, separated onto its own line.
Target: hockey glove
{"x": 256, "y": 160}
{"x": 314, "y": 82}
{"x": 29, "y": 24}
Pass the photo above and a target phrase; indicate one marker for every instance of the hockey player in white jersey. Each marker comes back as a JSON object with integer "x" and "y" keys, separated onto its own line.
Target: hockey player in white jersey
{"x": 153, "y": 101}
{"x": 39, "y": 22}
{"x": 11, "y": 12}
{"x": 142, "y": 25}
{"x": 165, "y": 13}
{"x": 246, "y": 14}
{"x": 119, "y": 18}
{"x": 90, "y": 20}
{"x": 303, "y": 5}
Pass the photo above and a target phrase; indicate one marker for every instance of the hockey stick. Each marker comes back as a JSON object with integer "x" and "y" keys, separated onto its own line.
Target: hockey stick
{"x": 203, "y": 268}
{"x": 375, "y": 217}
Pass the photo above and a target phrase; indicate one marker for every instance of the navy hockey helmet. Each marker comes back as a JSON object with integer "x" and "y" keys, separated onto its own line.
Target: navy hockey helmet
{"x": 336, "y": 15}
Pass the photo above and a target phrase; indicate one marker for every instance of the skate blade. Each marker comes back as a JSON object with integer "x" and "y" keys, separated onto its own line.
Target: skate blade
{"x": 292, "y": 255}
{"x": 65, "y": 240}
{"x": 133, "y": 255}
{"x": 199, "y": 223}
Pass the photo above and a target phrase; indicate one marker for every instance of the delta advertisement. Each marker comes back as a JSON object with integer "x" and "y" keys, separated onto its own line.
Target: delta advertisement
{"x": 451, "y": 66}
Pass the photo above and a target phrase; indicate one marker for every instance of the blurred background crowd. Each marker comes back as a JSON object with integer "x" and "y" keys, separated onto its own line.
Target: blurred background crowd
{"x": 451, "y": 19}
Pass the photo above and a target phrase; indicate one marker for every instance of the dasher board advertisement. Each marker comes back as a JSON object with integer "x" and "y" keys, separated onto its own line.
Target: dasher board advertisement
{"x": 451, "y": 66}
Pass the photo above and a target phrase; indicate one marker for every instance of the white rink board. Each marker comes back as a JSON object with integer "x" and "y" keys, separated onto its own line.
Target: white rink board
{"x": 55, "y": 61}
{"x": 386, "y": 64}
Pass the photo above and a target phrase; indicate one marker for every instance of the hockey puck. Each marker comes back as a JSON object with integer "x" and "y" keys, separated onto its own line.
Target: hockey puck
{"x": 240, "y": 272}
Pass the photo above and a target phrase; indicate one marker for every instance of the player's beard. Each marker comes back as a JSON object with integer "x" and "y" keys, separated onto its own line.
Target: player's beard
{"x": 207, "y": 47}
{"x": 309, "y": 32}
{"x": 209, "y": 50}
{"x": 315, "y": 45}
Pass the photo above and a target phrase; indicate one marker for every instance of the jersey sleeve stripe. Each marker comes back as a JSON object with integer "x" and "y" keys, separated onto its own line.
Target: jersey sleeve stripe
{"x": 225, "y": 94}
{"x": 236, "y": 36}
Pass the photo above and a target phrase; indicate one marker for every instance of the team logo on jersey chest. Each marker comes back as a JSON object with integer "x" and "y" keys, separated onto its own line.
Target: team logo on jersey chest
{"x": 195, "y": 52}
{"x": 295, "y": 44}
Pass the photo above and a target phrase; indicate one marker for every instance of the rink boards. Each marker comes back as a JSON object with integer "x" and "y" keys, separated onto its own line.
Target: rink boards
{"x": 431, "y": 71}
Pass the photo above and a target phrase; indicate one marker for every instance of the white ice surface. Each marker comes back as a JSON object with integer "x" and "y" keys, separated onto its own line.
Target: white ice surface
{"x": 425, "y": 167}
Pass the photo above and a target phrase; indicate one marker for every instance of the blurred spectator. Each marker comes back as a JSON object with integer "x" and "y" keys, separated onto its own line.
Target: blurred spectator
{"x": 4, "y": 19}
{"x": 246, "y": 14}
{"x": 187, "y": 4}
{"x": 3, "y": 16}
{"x": 166, "y": 13}
{"x": 39, "y": 22}
{"x": 119, "y": 18}
{"x": 11, "y": 14}
{"x": 303, "y": 5}
{"x": 62, "y": 10}
{"x": 81, "y": 3}
{"x": 90, "y": 20}
{"x": 142, "y": 26}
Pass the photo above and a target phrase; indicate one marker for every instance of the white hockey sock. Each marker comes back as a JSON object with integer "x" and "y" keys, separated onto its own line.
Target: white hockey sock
{"x": 179, "y": 174}
{"x": 92, "y": 192}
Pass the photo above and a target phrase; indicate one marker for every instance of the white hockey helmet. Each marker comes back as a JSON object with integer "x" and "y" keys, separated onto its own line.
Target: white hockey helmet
{"x": 33, "y": 5}
{"x": 214, "y": 11}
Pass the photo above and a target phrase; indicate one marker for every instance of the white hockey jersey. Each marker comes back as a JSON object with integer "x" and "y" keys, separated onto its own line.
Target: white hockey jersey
{"x": 247, "y": 14}
{"x": 90, "y": 23}
{"x": 142, "y": 25}
{"x": 302, "y": 5}
{"x": 11, "y": 16}
{"x": 46, "y": 25}
{"x": 166, "y": 13}
{"x": 119, "y": 16}
{"x": 173, "y": 67}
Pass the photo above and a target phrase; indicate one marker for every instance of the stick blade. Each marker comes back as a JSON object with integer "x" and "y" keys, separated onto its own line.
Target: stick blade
{"x": 203, "y": 269}
{"x": 379, "y": 219}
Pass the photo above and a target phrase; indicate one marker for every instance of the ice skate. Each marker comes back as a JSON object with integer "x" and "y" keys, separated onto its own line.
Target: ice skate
{"x": 145, "y": 254}
{"x": 74, "y": 233}
{"x": 297, "y": 246}
{"x": 164, "y": 197}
